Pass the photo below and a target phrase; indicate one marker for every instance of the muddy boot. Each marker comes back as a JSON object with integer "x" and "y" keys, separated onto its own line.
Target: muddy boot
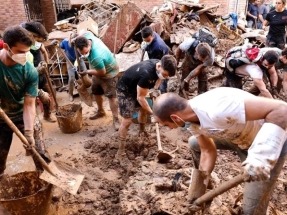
{"x": 98, "y": 115}
{"x": 47, "y": 113}
{"x": 116, "y": 123}
{"x": 122, "y": 157}
{"x": 71, "y": 90}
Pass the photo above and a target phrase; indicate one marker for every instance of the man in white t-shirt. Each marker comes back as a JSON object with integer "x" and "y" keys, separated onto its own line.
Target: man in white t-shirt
{"x": 229, "y": 118}
{"x": 238, "y": 66}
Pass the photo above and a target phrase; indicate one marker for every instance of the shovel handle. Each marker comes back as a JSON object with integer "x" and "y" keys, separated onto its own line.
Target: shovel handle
{"x": 24, "y": 140}
{"x": 51, "y": 87}
{"x": 158, "y": 137}
{"x": 220, "y": 189}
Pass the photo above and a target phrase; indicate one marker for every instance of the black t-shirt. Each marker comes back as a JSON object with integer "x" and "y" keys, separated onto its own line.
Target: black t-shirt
{"x": 277, "y": 22}
{"x": 142, "y": 74}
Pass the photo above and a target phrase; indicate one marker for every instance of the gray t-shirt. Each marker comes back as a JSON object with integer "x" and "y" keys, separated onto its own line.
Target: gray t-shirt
{"x": 185, "y": 45}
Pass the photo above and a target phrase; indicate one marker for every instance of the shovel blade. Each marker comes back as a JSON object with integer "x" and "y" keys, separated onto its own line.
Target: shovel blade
{"x": 65, "y": 177}
{"x": 164, "y": 157}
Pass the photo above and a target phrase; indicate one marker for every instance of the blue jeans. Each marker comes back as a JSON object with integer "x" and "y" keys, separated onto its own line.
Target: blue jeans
{"x": 256, "y": 194}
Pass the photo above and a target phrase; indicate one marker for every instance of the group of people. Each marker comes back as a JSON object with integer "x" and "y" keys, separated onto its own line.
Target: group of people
{"x": 222, "y": 118}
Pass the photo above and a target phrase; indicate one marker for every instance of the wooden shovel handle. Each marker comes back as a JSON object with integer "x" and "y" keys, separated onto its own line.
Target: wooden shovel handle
{"x": 51, "y": 87}
{"x": 158, "y": 137}
{"x": 24, "y": 140}
{"x": 220, "y": 189}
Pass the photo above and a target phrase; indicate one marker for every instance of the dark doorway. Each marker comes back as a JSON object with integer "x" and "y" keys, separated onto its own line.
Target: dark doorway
{"x": 33, "y": 10}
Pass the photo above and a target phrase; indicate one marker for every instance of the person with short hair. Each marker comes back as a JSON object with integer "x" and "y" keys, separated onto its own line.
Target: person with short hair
{"x": 71, "y": 55}
{"x": 276, "y": 20}
{"x": 198, "y": 56}
{"x": 281, "y": 66}
{"x": 156, "y": 48}
{"x": 132, "y": 89}
{"x": 231, "y": 119}
{"x": 253, "y": 13}
{"x": 104, "y": 71}
{"x": 238, "y": 66}
{"x": 18, "y": 88}
{"x": 39, "y": 34}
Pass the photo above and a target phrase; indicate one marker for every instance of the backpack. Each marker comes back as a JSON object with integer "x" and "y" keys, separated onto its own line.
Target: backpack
{"x": 249, "y": 53}
{"x": 203, "y": 35}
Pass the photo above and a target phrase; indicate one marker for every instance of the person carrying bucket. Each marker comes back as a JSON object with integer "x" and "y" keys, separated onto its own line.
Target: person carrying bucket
{"x": 132, "y": 89}
{"x": 18, "y": 88}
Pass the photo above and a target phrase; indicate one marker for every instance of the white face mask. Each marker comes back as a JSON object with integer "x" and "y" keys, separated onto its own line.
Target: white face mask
{"x": 86, "y": 55}
{"x": 159, "y": 75}
{"x": 36, "y": 46}
{"x": 20, "y": 58}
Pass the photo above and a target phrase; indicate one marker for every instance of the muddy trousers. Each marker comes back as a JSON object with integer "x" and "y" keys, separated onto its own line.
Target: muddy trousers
{"x": 256, "y": 194}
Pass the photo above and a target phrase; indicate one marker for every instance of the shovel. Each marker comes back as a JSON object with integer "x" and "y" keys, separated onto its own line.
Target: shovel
{"x": 215, "y": 192}
{"x": 162, "y": 156}
{"x": 55, "y": 173}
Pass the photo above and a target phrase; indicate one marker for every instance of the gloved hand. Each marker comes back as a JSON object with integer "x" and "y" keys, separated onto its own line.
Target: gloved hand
{"x": 255, "y": 170}
{"x": 264, "y": 151}
{"x": 29, "y": 134}
{"x": 143, "y": 45}
{"x": 44, "y": 96}
{"x": 154, "y": 93}
{"x": 55, "y": 43}
{"x": 198, "y": 184}
{"x": 41, "y": 67}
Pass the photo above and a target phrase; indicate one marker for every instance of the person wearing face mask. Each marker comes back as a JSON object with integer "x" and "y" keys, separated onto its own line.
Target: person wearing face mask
{"x": 39, "y": 33}
{"x": 229, "y": 119}
{"x": 197, "y": 56}
{"x": 132, "y": 89}
{"x": 276, "y": 20}
{"x": 104, "y": 70}
{"x": 18, "y": 88}
{"x": 155, "y": 48}
{"x": 261, "y": 69}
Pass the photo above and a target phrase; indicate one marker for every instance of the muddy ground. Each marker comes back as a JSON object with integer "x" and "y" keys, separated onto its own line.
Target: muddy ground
{"x": 147, "y": 189}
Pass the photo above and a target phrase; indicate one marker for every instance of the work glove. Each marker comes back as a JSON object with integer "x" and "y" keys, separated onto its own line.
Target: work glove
{"x": 255, "y": 170}
{"x": 41, "y": 67}
{"x": 143, "y": 45}
{"x": 264, "y": 152}
{"x": 55, "y": 43}
{"x": 198, "y": 184}
{"x": 44, "y": 96}
{"x": 29, "y": 135}
{"x": 154, "y": 93}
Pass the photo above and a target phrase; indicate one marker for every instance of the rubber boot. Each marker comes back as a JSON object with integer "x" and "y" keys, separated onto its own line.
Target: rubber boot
{"x": 122, "y": 156}
{"x": 116, "y": 123}
{"x": 47, "y": 113}
{"x": 71, "y": 91}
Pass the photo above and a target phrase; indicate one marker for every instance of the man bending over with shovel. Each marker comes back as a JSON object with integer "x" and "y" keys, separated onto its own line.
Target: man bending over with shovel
{"x": 229, "y": 118}
{"x": 18, "y": 88}
{"x": 132, "y": 89}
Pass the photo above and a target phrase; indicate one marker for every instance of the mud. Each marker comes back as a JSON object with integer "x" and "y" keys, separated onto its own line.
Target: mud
{"x": 149, "y": 187}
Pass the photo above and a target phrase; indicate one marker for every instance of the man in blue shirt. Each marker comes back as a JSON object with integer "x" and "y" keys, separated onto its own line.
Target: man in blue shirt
{"x": 71, "y": 55}
{"x": 155, "y": 48}
{"x": 252, "y": 13}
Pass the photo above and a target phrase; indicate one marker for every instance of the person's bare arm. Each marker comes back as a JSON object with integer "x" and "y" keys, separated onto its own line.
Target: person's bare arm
{"x": 97, "y": 72}
{"x": 208, "y": 153}
{"x": 265, "y": 23}
{"x": 141, "y": 97}
{"x": 178, "y": 54}
{"x": 45, "y": 53}
{"x": 29, "y": 112}
{"x": 259, "y": 83}
{"x": 273, "y": 111}
{"x": 194, "y": 73}
{"x": 273, "y": 76}
{"x": 261, "y": 18}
